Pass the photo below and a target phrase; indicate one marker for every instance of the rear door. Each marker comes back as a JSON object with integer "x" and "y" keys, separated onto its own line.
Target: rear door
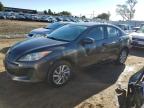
{"x": 113, "y": 41}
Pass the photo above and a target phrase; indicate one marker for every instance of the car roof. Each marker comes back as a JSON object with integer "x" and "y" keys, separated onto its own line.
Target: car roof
{"x": 61, "y": 22}
{"x": 90, "y": 24}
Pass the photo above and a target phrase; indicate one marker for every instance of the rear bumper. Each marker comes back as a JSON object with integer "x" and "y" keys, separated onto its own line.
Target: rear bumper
{"x": 27, "y": 72}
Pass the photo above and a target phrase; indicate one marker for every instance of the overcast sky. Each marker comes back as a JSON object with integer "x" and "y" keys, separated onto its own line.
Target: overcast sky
{"x": 77, "y": 7}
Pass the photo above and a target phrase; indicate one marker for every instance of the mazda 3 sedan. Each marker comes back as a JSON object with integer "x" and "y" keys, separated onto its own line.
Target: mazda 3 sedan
{"x": 53, "y": 58}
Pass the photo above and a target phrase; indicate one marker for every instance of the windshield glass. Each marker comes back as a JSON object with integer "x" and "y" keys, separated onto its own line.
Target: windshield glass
{"x": 68, "y": 32}
{"x": 141, "y": 30}
{"x": 53, "y": 26}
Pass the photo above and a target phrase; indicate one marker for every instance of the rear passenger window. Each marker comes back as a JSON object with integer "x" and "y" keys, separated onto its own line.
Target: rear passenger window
{"x": 113, "y": 32}
{"x": 97, "y": 33}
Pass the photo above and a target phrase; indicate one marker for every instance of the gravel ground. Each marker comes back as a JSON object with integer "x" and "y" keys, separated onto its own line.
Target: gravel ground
{"x": 11, "y": 28}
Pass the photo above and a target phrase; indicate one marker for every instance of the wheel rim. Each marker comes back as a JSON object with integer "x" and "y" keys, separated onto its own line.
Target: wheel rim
{"x": 123, "y": 56}
{"x": 61, "y": 74}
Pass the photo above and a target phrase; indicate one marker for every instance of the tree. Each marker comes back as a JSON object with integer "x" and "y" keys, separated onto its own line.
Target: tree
{"x": 45, "y": 12}
{"x": 35, "y": 12}
{"x": 66, "y": 13}
{"x": 131, "y": 4}
{"x": 1, "y": 7}
{"x": 50, "y": 12}
{"x": 126, "y": 11}
{"x": 104, "y": 16}
{"x": 83, "y": 17}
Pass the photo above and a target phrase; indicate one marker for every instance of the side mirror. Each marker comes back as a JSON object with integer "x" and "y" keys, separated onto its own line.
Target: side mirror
{"x": 87, "y": 40}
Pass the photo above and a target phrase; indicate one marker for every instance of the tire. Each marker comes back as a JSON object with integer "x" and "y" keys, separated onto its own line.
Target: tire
{"x": 122, "y": 56}
{"x": 56, "y": 76}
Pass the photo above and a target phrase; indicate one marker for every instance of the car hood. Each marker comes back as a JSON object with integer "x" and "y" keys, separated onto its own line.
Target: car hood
{"x": 137, "y": 35}
{"x": 32, "y": 45}
{"x": 41, "y": 31}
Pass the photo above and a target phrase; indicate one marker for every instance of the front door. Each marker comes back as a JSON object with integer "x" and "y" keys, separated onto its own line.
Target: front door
{"x": 94, "y": 52}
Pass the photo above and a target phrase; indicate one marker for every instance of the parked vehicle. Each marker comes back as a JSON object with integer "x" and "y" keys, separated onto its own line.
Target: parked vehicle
{"x": 20, "y": 17}
{"x": 138, "y": 38}
{"x": 127, "y": 28}
{"x": 2, "y": 15}
{"x": 135, "y": 29}
{"x": 54, "y": 58}
{"x": 135, "y": 93}
{"x": 58, "y": 18}
{"x": 43, "y": 32}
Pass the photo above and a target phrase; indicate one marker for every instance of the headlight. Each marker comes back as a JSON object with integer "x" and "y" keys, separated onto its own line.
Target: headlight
{"x": 39, "y": 35}
{"x": 34, "y": 56}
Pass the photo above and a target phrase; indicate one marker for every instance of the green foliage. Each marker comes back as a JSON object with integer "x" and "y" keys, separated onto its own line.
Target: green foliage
{"x": 66, "y": 13}
{"x": 103, "y": 16}
{"x": 83, "y": 17}
{"x": 50, "y": 12}
{"x": 1, "y": 7}
{"x": 45, "y": 12}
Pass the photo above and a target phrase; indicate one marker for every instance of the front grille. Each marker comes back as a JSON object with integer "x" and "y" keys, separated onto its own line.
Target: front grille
{"x": 136, "y": 44}
{"x": 20, "y": 72}
{"x": 15, "y": 70}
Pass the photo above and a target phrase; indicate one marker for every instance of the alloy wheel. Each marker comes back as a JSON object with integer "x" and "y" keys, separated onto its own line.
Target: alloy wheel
{"x": 61, "y": 74}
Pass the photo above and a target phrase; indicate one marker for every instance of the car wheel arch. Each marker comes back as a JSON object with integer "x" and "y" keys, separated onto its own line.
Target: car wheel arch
{"x": 125, "y": 48}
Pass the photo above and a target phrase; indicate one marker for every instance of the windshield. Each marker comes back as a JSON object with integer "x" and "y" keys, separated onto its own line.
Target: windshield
{"x": 141, "y": 30}
{"x": 54, "y": 26}
{"x": 67, "y": 33}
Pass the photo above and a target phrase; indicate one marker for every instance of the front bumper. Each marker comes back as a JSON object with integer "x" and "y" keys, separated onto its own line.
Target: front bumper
{"x": 139, "y": 44}
{"x": 27, "y": 72}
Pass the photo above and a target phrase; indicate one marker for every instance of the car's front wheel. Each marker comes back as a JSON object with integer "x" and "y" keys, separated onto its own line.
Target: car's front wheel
{"x": 59, "y": 74}
{"x": 122, "y": 56}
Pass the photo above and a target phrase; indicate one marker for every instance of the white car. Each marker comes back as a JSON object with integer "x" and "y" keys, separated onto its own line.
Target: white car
{"x": 138, "y": 38}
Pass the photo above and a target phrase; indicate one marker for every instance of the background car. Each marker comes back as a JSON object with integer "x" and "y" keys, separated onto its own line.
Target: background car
{"x": 138, "y": 38}
{"x": 43, "y": 32}
{"x": 135, "y": 93}
{"x": 2, "y": 16}
{"x": 127, "y": 28}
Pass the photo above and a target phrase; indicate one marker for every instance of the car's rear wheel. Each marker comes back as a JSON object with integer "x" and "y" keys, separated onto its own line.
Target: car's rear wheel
{"x": 59, "y": 74}
{"x": 122, "y": 56}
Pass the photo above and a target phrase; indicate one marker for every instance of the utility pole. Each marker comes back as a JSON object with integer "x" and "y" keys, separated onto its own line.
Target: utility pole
{"x": 93, "y": 14}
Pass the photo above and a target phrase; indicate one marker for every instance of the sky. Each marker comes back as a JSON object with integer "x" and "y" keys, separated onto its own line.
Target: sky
{"x": 77, "y": 7}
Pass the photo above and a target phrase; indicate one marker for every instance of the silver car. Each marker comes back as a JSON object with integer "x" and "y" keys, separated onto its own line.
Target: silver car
{"x": 138, "y": 38}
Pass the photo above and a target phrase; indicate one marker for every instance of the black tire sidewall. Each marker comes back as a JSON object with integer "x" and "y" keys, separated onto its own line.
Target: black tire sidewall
{"x": 118, "y": 60}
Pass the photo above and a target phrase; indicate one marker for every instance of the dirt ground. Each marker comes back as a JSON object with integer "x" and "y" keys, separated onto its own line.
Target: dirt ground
{"x": 92, "y": 87}
{"x": 12, "y": 27}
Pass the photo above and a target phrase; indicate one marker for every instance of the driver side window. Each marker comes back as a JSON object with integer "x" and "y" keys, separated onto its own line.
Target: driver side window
{"x": 97, "y": 33}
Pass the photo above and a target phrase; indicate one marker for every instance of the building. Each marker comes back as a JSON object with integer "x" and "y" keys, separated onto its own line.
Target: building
{"x": 11, "y": 9}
